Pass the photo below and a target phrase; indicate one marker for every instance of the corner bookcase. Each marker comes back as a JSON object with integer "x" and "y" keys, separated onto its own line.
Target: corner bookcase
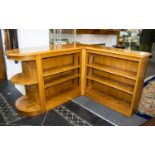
{"x": 111, "y": 77}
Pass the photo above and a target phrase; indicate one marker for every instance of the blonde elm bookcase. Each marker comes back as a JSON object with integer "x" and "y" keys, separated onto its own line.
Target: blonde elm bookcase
{"x": 112, "y": 77}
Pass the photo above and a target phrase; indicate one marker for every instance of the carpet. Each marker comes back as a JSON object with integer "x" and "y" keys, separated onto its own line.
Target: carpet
{"x": 8, "y": 113}
{"x": 147, "y": 102}
{"x": 70, "y": 116}
{"x": 10, "y": 116}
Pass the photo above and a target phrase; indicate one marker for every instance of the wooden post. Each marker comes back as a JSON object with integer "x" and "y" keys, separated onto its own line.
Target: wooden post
{"x": 83, "y": 71}
{"x": 41, "y": 83}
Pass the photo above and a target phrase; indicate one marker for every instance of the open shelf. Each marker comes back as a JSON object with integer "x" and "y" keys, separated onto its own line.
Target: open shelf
{"x": 106, "y": 75}
{"x": 113, "y": 70}
{"x": 27, "y": 106}
{"x": 109, "y": 101}
{"x": 113, "y": 83}
{"x": 53, "y": 71}
{"x": 51, "y": 82}
{"x": 53, "y": 101}
{"x": 23, "y": 79}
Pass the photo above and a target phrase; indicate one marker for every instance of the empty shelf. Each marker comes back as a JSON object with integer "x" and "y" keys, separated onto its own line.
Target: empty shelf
{"x": 61, "y": 98}
{"x": 116, "y": 71}
{"x": 53, "y": 71}
{"x": 27, "y": 106}
{"x": 50, "y": 83}
{"x": 109, "y": 101}
{"x": 113, "y": 83}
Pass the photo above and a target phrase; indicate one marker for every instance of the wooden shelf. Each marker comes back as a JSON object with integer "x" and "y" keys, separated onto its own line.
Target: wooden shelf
{"x": 50, "y": 83}
{"x": 53, "y": 71}
{"x": 53, "y": 101}
{"x": 112, "y": 83}
{"x": 27, "y": 106}
{"x": 109, "y": 101}
{"x": 23, "y": 79}
{"x": 113, "y": 70}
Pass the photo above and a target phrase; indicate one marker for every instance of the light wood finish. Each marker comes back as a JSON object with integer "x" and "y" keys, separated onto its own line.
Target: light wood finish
{"x": 114, "y": 70}
{"x": 111, "y": 102}
{"x": 139, "y": 83}
{"x": 20, "y": 78}
{"x": 62, "y": 79}
{"x": 32, "y": 91}
{"x": 53, "y": 101}
{"x": 117, "y": 77}
{"x": 41, "y": 83}
{"x": 112, "y": 83}
{"x": 53, "y": 71}
{"x": 28, "y": 75}
{"x": 27, "y": 106}
{"x": 83, "y": 71}
{"x": 109, "y": 76}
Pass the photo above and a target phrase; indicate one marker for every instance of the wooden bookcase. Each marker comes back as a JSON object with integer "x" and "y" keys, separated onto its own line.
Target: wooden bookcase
{"x": 114, "y": 81}
{"x": 109, "y": 76}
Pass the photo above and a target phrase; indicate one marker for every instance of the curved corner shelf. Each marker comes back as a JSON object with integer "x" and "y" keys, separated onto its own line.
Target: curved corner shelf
{"x": 24, "y": 80}
{"x": 27, "y": 106}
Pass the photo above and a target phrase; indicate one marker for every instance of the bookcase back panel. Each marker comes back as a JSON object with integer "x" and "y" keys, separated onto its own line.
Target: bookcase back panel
{"x": 123, "y": 64}
{"x": 109, "y": 76}
{"x": 32, "y": 91}
{"x": 61, "y": 88}
{"x": 60, "y": 75}
{"x": 29, "y": 69}
{"x": 58, "y": 61}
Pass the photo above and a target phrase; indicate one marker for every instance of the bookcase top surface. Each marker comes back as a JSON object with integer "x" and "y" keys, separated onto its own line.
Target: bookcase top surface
{"x": 34, "y": 51}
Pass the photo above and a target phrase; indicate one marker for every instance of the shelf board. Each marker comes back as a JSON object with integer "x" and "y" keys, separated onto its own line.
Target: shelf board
{"x": 113, "y": 70}
{"x": 27, "y": 106}
{"x": 62, "y": 79}
{"x": 22, "y": 79}
{"x": 61, "y": 98}
{"x": 109, "y": 101}
{"x": 113, "y": 83}
{"x": 53, "y": 71}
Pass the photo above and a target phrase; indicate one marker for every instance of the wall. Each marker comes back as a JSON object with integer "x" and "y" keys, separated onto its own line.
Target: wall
{"x": 26, "y": 38}
{"x": 109, "y": 40}
{"x": 33, "y": 38}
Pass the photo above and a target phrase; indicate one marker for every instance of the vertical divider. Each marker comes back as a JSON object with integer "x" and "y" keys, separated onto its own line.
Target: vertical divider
{"x": 90, "y": 70}
{"x": 75, "y": 71}
{"x": 41, "y": 83}
{"x": 139, "y": 84}
{"x": 83, "y": 65}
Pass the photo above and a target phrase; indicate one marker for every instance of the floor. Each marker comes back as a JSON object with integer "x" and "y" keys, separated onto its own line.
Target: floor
{"x": 110, "y": 115}
{"x": 70, "y": 114}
